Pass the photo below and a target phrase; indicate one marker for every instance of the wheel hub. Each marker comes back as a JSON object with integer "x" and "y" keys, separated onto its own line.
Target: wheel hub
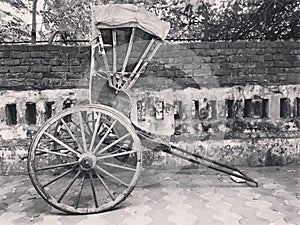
{"x": 88, "y": 161}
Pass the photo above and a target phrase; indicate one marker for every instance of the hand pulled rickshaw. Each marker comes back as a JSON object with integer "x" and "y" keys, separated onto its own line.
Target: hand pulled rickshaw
{"x": 88, "y": 158}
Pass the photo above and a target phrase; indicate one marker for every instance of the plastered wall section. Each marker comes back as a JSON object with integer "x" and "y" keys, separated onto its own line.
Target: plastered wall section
{"x": 236, "y": 102}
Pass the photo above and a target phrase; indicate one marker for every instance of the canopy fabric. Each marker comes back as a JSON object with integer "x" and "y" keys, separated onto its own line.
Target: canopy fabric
{"x": 128, "y": 15}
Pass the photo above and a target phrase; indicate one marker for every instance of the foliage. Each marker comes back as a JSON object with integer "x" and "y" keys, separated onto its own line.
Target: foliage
{"x": 14, "y": 28}
{"x": 268, "y": 19}
{"x": 190, "y": 19}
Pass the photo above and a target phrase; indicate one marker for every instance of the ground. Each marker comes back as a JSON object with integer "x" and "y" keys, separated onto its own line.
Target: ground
{"x": 168, "y": 198}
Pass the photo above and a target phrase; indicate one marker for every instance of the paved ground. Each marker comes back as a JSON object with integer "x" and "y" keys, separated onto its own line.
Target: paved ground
{"x": 189, "y": 197}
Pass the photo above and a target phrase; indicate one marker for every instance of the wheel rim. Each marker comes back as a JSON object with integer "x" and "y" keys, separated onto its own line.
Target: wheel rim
{"x": 85, "y": 159}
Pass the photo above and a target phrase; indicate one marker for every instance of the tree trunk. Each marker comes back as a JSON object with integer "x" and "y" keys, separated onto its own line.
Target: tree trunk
{"x": 33, "y": 30}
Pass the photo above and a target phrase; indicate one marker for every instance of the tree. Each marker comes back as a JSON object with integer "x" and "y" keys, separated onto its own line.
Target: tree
{"x": 255, "y": 19}
{"x": 190, "y": 19}
{"x": 13, "y": 27}
{"x": 33, "y": 28}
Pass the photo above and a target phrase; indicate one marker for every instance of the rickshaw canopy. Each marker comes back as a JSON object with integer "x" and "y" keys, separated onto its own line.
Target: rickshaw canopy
{"x": 127, "y": 15}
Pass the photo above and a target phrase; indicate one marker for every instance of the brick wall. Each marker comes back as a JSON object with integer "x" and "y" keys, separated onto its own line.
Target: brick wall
{"x": 227, "y": 63}
{"x": 43, "y": 67}
{"x": 234, "y": 101}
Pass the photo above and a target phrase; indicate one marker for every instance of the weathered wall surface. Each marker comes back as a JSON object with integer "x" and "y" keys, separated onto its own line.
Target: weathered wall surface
{"x": 238, "y": 101}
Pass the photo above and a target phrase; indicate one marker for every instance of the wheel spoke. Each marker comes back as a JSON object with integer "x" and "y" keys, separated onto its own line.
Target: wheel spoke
{"x": 57, "y": 166}
{"x": 93, "y": 151}
{"x": 114, "y": 143}
{"x": 80, "y": 190}
{"x": 105, "y": 186}
{"x": 58, "y": 177}
{"x": 69, "y": 186}
{"x": 61, "y": 143}
{"x": 93, "y": 190}
{"x": 93, "y": 119}
{"x": 98, "y": 168}
{"x": 77, "y": 125}
{"x": 82, "y": 132}
{"x": 71, "y": 134}
{"x": 95, "y": 132}
{"x": 118, "y": 166}
{"x": 53, "y": 152}
{"x": 115, "y": 155}
{"x": 104, "y": 136}
{"x": 86, "y": 122}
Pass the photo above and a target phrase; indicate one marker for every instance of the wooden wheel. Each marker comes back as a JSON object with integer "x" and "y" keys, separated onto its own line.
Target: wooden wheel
{"x": 86, "y": 159}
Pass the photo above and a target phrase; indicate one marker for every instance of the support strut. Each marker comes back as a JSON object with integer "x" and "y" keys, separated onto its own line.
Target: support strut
{"x": 209, "y": 163}
{"x": 148, "y": 140}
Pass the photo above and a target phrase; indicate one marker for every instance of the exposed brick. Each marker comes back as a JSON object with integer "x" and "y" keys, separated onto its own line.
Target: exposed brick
{"x": 219, "y": 59}
{"x": 4, "y": 69}
{"x": 292, "y": 70}
{"x": 203, "y": 72}
{"x": 75, "y": 62}
{"x": 84, "y": 49}
{"x": 60, "y": 68}
{"x": 258, "y": 70}
{"x": 283, "y": 63}
{"x": 85, "y": 55}
{"x": 74, "y": 76}
{"x": 270, "y": 50}
{"x": 231, "y": 63}
{"x": 19, "y": 55}
{"x": 238, "y": 58}
{"x": 77, "y": 83}
{"x": 290, "y": 57}
{"x": 222, "y": 72}
{"x": 284, "y": 50}
{"x": 275, "y": 70}
{"x": 180, "y": 74}
{"x": 265, "y": 64}
{"x": 19, "y": 76}
{"x": 40, "y": 68}
{"x": 76, "y": 69}
{"x": 56, "y": 75}
{"x": 39, "y": 55}
{"x": 5, "y": 54}
{"x": 19, "y": 69}
{"x": 278, "y": 57}
{"x": 210, "y": 52}
{"x": 5, "y": 48}
{"x": 221, "y": 44}
{"x": 193, "y": 66}
{"x": 251, "y": 51}
{"x": 187, "y": 82}
{"x": 184, "y": 60}
{"x": 54, "y": 62}
{"x": 34, "y": 75}
{"x": 291, "y": 44}
{"x": 86, "y": 62}
{"x": 238, "y": 44}
{"x": 29, "y": 61}
{"x": 268, "y": 57}
{"x": 186, "y": 53}
{"x": 227, "y": 51}
{"x": 10, "y": 62}
{"x": 201, "y": 59}
{"x": 165, "y": 73}
{"x": 198, "y": 45}
{"x": 296, "y": 63}
{"x": 256, "y": 58}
